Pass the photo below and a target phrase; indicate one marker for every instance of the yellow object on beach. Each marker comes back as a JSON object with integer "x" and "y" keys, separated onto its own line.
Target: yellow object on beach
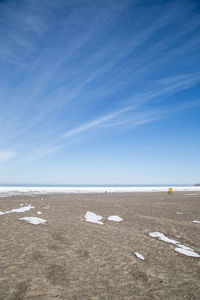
{"x": 170, "y": 191}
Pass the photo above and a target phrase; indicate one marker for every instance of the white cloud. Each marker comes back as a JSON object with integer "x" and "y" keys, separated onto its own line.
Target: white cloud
{"x": 5, "y": 155}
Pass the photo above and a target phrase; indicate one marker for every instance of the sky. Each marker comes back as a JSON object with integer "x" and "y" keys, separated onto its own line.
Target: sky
{"x": 99, "y": 92}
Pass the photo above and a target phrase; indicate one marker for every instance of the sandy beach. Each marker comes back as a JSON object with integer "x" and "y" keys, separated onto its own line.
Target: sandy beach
{"x": 68, "y": 258}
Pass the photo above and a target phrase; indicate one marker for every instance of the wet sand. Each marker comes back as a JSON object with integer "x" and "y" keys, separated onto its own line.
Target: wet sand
{"x": 72, "y": 259}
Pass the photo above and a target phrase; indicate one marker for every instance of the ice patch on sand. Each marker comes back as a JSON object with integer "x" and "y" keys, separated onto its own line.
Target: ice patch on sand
{"x": 163, "y": 238}
{"x": 115, "y": 218}
{"x": 21, "y": 209}
{"x": 39, "y": 213}
{"x": 93, "y": 218}
{"x": 179, "y": 213}
{"x": 187, "y": 252}
{"x": 195, "y": 221}
{"x": 33, "y": 220}
{"x": 182, "y": 248}
{"x": 140, "y": 256}
{"x": 46, "y": 207}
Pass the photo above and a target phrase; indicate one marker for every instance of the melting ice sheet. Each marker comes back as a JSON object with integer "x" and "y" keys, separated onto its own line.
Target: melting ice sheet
{"x": 182, "y": 249}
{"x": 34, "y": 191}
{"x": 93, "y": 218}
{"x": 140, "y": 256}
{"x": 17, "y": 210}
{"x": 115, "y": 218}
{"x": 33, "y": 220}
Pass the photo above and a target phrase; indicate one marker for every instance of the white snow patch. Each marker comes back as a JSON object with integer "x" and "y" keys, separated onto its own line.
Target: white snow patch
{"x": 178, "y": 236}
{"x": 182, "y": 249}
{"x": 115, "y": 218}
{"x": 21, "y": 204}
{"x": 179, "y": 213}
{"x": 21, "y": 209}
{"x": 187, "y": 252}
{"x": 39, "y": 213}
{"x": 195, "y": 221}
{"x": 140, "y": 256}
{"x": 93, "y": 218}
{"x": 46, "y": 207}
{"x": 163, "y": 238}
{"x": 33, "y": 220}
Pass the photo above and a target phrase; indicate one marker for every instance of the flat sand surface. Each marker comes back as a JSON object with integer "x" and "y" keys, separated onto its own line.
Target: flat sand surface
{"x": 71, "y": 259}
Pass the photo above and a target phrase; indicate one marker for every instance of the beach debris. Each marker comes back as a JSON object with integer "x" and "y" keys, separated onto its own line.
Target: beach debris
{"x": 93, "y": 218}
{"x": 179, "y": 213}
{"x": 18, "y": 210}
{"x": 140, "y": 256}
{"x": 195, "y": 221}
{"x": 39, "y": 213}
{"x": 184, "y": 249}
{"x": 115, "y": 218}
{"x": 33, "y": 220}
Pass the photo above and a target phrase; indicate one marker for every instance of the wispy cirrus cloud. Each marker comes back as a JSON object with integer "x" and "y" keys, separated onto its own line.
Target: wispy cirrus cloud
{"x": 6, "y": 155}
{"x": 68, "y": 68}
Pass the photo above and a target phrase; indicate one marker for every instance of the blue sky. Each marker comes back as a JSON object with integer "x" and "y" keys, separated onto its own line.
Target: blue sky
{"x": 99, "y": 92}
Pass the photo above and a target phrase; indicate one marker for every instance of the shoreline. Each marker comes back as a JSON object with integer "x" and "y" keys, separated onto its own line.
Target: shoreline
{"x": 16, "y": 190}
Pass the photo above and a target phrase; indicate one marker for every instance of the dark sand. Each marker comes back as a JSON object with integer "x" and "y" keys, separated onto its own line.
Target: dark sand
{"x": 72, "y": 259}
